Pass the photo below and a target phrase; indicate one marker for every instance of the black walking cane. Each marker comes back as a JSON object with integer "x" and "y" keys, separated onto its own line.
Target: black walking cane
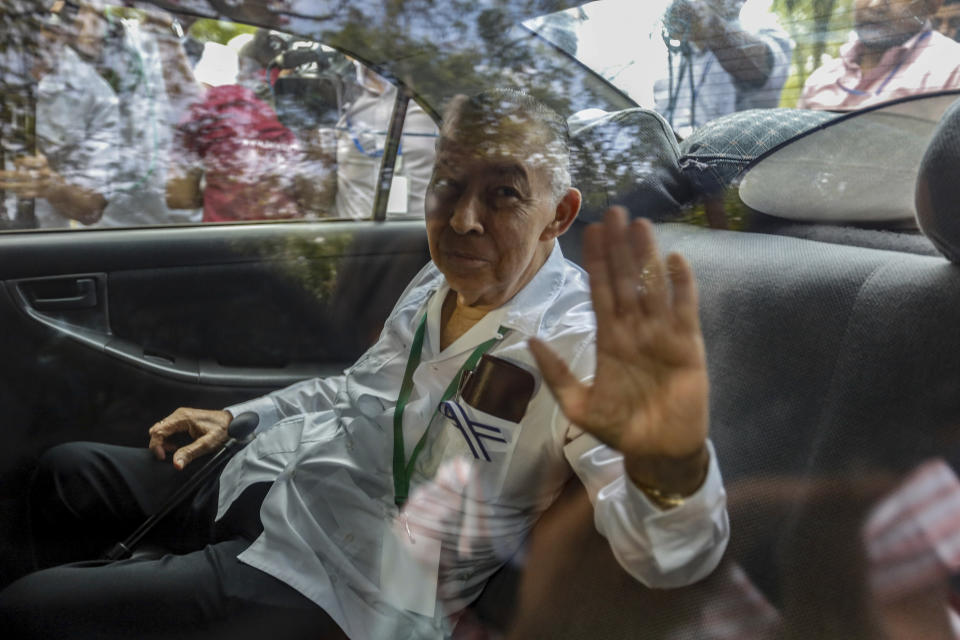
{"x": 240, "y": 427}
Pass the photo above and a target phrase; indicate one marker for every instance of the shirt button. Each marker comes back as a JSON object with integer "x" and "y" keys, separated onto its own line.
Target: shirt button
{"x": 348, "y": 537}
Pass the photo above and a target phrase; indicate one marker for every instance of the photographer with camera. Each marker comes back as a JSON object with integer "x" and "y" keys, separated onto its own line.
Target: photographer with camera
{"x": 722, "y": 57}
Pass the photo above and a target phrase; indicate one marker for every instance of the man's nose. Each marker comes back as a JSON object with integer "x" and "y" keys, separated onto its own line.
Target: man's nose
{"x": 467, "y": 215}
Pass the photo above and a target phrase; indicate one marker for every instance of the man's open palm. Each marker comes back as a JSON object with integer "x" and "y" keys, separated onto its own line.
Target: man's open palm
{"x": 649, "y": 397}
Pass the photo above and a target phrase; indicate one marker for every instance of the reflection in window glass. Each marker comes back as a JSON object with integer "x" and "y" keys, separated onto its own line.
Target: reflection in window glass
{"x": 693, "y": 61}
{"x": 892, "y": 52}
{"x": 120, "y": 117}
{"x": 360, "y": 137}
{"x": 696, "y": 60}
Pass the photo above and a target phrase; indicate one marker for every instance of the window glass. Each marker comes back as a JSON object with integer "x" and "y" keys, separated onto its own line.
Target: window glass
{"x": 360, "y": 136}
{"x": 736, "y": 80}
{"x": 696, "y": 60}
{"x": 119, "y": 117}
{"x": 831, "y": 355}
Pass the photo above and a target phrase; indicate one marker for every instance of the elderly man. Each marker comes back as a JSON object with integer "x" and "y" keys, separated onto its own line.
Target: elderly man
{"x": 386, "y": 497}
{"x": 894, "y": 53}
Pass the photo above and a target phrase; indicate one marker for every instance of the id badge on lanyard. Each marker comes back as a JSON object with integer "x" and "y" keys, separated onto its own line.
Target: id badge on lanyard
{"x": 410, "y": 561}
{"x": 403, "y": 467}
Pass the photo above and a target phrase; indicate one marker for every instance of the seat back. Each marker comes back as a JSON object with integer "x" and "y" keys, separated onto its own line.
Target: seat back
{"x": 825, "y": 361}
{"x": 834, "y": 372}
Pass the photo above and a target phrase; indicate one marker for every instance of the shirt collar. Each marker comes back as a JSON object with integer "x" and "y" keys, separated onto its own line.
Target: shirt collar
{"x": 478, "y": 333}
{"x": 523, "y": 312}
{"x": 850, "y": 52}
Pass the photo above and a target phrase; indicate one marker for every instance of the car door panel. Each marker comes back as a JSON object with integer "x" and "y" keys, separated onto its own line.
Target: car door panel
{"x": 105, "y": 332}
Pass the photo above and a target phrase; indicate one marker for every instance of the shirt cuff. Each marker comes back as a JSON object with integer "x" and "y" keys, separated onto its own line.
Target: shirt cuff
{"x": 263, "y": 406}
{"x": 678, "y": 534}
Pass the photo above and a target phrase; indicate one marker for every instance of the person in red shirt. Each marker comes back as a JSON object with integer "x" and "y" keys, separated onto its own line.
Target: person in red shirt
{"x": 248, "y": 158}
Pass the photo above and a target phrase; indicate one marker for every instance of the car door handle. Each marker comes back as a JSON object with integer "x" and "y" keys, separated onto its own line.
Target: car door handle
{"x": 85, "y": 296}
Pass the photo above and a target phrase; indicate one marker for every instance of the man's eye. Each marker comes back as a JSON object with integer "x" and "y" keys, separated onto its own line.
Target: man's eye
{"x": 506, "y": 192}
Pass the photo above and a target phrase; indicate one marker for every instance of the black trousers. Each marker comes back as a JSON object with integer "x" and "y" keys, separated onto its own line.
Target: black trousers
{"x": 87, "y": 496}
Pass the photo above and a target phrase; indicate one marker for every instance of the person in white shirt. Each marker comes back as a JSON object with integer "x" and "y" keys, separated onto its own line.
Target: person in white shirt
{"x": 78, "y": 135}
{"x": 361, "y": 135}
{"x": 724, "y": 56}
{"x": 103, "y": 149}
{"x": 143, "y": 56}
{"x": 377, "y": 503}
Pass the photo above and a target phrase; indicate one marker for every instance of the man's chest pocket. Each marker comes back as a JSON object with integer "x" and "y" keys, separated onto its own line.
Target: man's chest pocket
{"x": 460, "y": 432}
{"x": 487, "y": 437}
{"x": 481, "y": 424}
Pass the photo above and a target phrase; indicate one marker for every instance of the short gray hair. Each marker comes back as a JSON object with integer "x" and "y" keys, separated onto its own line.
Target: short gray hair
{"x": 495, "y": 106}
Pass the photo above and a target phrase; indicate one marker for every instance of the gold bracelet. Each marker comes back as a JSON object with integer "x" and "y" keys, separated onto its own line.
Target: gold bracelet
{"x": 663, "y": 500}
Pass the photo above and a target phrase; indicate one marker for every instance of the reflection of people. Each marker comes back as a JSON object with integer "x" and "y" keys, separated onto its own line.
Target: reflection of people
{"x": 246, "y": 157}
{"x": 77, "y": 127}
{"x": 887, "y": 542}
{"x": 23, "y": 38}
{"x": 719, "y": 63}
{"x": 141, "y": 58}
{"x": 236, "y": 158}
{"x": 337, "y": 457}
{"x": 893, "y": 53}
{"x": 947, "y": 19}
{"x": 360, "y": 141}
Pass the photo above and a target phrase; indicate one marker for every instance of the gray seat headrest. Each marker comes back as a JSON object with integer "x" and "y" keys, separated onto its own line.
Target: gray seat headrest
{"x": 938, "y": 186}
{"x": 627, "y": 157}
{"x": 717, "y": 153}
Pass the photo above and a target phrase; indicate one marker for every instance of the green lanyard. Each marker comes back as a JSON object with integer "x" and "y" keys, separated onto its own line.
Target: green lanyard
{"x": 402, "y": 468}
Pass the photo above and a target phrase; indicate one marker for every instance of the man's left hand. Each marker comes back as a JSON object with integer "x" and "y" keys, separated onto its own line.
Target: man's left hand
{"x": 649, "y": 396}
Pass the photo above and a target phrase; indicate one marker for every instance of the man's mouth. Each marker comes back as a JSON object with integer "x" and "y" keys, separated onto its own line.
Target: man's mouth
{"x": 465, "y": 257}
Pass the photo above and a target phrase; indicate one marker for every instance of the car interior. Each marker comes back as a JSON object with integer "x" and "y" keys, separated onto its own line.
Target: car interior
{"x": 825, "y": 247}
{"x": 859, "y": 329}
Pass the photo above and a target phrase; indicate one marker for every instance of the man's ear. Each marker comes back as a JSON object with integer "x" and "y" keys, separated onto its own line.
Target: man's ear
{"x": 566, "y": 213}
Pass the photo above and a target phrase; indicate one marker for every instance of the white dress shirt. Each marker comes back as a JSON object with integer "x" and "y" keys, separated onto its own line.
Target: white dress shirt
{"x": 327, "y": 446}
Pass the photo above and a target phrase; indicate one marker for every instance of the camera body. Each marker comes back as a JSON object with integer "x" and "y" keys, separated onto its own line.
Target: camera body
{"x": 311, "y": 94}
{"x": 683, "y": 18}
